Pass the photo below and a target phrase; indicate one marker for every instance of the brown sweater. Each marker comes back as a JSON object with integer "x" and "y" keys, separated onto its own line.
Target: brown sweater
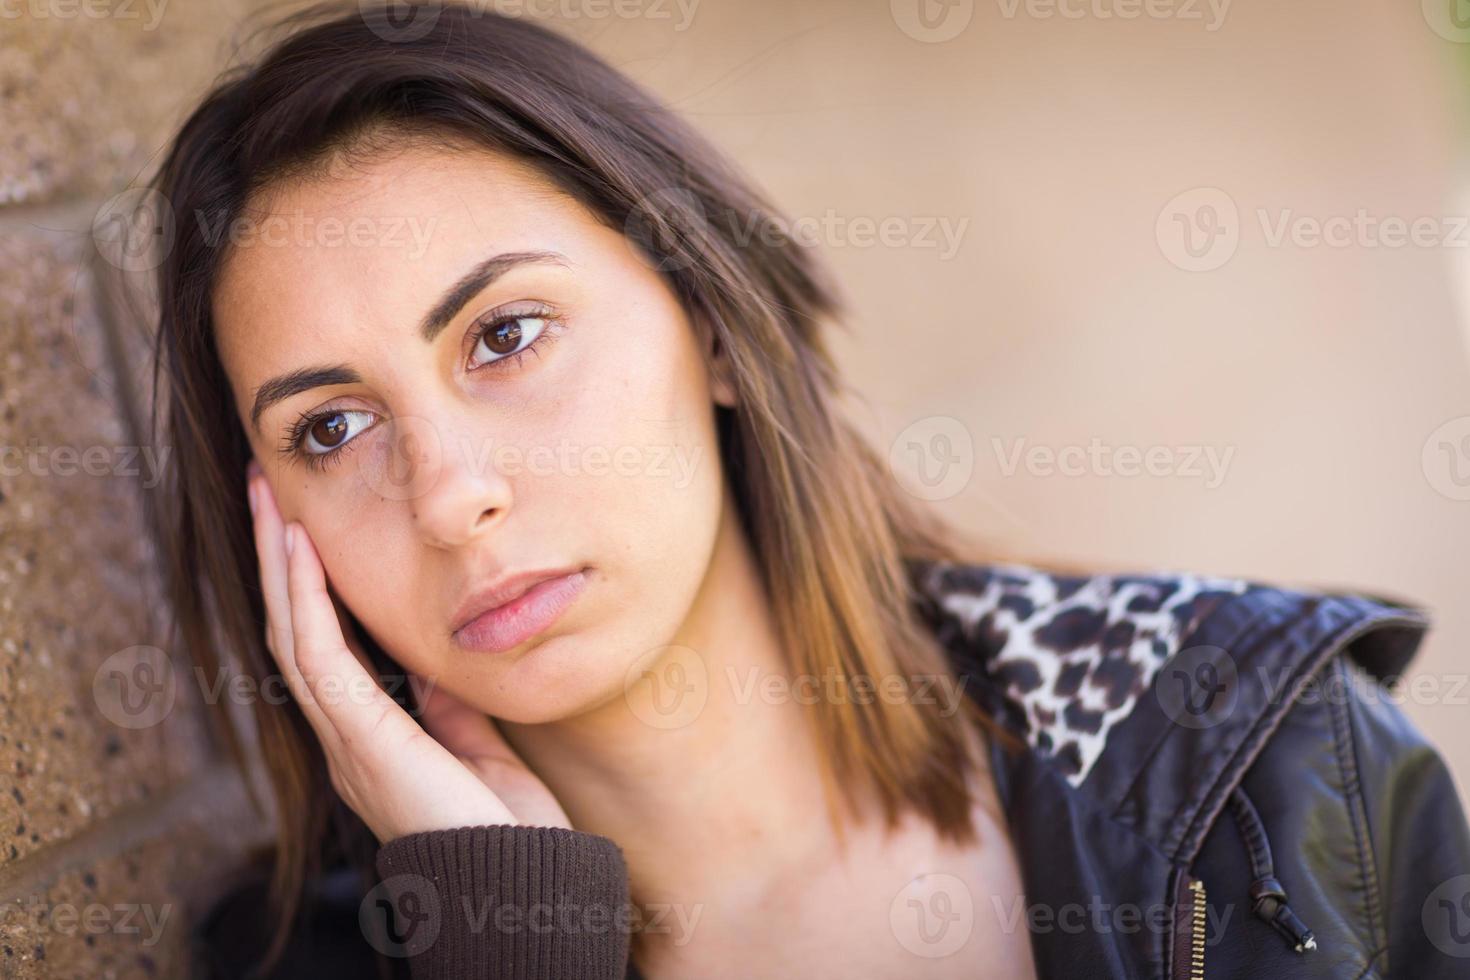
{"x": 508, "y": 901}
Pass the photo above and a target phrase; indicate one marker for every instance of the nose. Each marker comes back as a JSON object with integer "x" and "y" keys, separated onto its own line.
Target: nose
{"x": 456, "y": 493}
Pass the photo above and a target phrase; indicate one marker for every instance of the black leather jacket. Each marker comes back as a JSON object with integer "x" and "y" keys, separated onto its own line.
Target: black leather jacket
{"x": 1245, "y": 799}
{"x": 1215, "y": 782}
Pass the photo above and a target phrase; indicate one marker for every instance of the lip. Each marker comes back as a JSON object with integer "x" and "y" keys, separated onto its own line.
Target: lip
{"x": 511, "y": 611}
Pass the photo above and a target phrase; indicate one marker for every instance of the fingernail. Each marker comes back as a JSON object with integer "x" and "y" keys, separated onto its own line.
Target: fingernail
{"x": 290, "y": 538}
{"x": 250, "y": 492}
{"x": 252, "y": 468}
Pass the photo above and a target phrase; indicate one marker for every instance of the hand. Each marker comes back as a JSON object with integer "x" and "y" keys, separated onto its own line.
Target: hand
{"x": 455, "y": 771}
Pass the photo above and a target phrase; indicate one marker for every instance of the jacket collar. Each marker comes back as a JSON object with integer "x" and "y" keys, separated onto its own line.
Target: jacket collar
{"x": 1149, "y": 695}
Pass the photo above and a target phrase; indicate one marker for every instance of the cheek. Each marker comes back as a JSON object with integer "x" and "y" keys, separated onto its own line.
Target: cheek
{"x": 640, "y": 437}
{"x": 369, "y": 564}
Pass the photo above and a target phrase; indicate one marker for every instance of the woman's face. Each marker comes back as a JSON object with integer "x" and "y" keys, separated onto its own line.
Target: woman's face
{"x": 488, "y": 382}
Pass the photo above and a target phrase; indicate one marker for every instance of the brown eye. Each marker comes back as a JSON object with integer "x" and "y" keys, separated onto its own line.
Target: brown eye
{"x": 507, "y": 338}
{"x": 332, "y": 430}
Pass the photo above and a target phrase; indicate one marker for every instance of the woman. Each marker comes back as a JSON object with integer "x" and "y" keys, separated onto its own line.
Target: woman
{"x": 482, "y": 382}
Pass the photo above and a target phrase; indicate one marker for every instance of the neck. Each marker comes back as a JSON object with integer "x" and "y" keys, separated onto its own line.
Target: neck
{"x": 707, "y": 781}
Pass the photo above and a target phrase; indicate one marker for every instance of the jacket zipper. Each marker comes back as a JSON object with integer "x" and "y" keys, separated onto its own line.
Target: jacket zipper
{"x": 1194, "y": 923}
{"x": 1197, "y": 911}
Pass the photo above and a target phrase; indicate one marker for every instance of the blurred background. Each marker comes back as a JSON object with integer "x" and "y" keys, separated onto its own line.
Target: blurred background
{"x": 1134, "y": 284}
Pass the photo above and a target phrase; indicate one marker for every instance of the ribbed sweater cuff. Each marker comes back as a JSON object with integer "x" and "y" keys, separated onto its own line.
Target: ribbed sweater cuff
{"x": 505, "y": 901}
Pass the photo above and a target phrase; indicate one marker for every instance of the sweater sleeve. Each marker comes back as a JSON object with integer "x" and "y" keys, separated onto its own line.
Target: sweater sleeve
{"x": 503, "y": 901}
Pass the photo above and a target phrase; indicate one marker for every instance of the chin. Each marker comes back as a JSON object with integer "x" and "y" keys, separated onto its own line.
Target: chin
{"x": 554, "y": 680}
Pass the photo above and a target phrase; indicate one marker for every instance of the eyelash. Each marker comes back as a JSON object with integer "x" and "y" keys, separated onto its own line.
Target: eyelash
{"x": 296, "y": 434}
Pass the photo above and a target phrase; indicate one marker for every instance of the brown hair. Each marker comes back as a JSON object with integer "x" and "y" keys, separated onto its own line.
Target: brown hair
{"x": 832, "y": 530}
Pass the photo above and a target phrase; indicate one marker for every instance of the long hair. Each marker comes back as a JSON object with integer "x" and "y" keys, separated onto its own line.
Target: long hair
{"x": 832, "y": 530}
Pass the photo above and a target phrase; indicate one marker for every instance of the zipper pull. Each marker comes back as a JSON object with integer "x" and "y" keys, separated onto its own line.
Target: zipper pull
{"x": 1268, "y": 901}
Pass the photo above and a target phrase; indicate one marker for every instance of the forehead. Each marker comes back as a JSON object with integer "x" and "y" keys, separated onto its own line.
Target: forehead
{"x": 369, "y": 245}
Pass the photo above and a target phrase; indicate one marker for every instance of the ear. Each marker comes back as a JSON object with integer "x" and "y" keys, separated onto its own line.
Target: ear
{"x": 721, "y": 376}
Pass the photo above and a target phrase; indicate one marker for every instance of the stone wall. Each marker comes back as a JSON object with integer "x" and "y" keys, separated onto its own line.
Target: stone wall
{"x": 118, "y": 811}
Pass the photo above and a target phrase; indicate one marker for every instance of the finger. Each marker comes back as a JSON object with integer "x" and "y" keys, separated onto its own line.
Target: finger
{"x": 349, "y": 696}
{"x": 270, "y": 547}
{"x": 350, "y": 634}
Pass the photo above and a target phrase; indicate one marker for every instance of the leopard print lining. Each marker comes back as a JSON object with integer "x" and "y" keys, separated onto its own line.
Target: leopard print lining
{"x": 1074, "y": 653}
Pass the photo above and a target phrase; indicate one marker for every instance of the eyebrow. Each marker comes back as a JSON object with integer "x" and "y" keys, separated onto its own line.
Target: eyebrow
{"x": 284, "y": 386}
